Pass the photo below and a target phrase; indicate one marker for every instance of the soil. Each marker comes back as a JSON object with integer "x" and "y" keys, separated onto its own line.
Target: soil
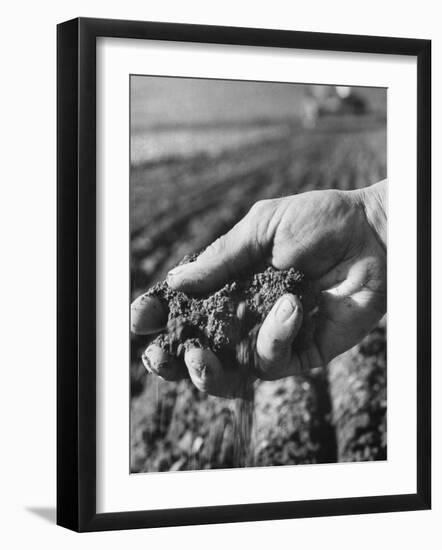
{"x": 224, "y": 320}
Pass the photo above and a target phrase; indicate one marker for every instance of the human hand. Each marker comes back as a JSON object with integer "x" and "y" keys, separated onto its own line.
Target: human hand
{"x": 337, "y": 238}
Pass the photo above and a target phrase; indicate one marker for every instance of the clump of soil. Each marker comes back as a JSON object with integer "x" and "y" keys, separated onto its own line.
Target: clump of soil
{"x": 224, "y": 320}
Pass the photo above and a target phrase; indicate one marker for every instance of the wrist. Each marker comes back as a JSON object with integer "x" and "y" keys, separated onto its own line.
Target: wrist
{"x": 373, "y": 199}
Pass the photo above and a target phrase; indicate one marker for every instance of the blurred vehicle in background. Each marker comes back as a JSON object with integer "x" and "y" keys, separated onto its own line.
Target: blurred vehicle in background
{"x": 320, "y": 101}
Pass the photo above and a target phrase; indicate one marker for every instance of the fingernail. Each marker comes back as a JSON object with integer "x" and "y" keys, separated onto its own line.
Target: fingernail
{"x": 176, "y": 271}
{"x": 284, "y": 310}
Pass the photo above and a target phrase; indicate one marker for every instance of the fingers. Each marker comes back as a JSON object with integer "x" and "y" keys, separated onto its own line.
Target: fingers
{"x": 231, "y": 255}
{"x": 148, "y": 315}
{"x": 275, "y": 339}
{"x": 159, "y": 362}
{"x": 208, "y": 374}
{"x": 203, "y": 367}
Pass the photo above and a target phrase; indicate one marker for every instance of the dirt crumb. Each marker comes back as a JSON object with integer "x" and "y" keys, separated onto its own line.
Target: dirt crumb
{"x": 223, "y": 320}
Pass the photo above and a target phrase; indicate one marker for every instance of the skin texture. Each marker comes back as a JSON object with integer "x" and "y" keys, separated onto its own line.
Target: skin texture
{"x": 337, "y": 238}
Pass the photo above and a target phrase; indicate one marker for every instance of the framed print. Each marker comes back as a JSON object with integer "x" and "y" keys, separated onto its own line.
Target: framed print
{"x": 239, "y": 213}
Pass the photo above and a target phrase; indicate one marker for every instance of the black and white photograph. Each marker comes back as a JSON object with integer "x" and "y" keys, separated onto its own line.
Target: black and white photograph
{"x": 258, "y": 274}
{"x": 218, "y": 250}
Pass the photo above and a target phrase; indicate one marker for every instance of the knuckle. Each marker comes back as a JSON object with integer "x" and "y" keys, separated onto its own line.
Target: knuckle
{"x": 215, "y": 248}
{"x": 262, "y": 218}
{"x": 260, "y": 207}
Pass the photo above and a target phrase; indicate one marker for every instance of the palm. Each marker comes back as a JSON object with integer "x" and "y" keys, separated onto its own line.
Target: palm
{"x": 339, "y": 252}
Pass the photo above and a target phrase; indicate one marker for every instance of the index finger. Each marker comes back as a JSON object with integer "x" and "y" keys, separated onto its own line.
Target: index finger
{"x": 232, "y": 255}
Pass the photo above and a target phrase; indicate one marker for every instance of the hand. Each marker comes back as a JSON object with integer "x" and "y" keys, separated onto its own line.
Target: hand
{"x": 337, "y": 238}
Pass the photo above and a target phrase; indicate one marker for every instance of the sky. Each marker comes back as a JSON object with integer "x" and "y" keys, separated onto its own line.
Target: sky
{"x": 163, "y": 101}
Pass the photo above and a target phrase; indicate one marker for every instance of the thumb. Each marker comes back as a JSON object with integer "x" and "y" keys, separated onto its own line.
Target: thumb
{"x": 232, "y": 255}
{"x": 275, "y": 339}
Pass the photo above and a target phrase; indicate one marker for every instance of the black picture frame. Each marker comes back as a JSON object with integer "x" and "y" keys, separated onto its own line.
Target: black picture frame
{"x": 76, "y": 273}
